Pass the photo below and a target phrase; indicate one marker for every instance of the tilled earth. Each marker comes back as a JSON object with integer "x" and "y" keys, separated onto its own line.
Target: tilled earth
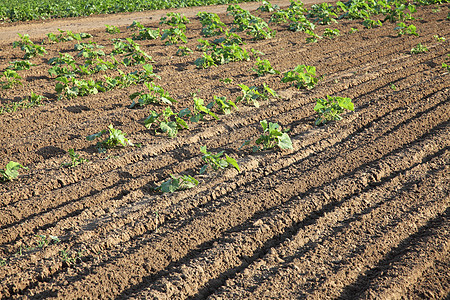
{"x": 358, "y": 209}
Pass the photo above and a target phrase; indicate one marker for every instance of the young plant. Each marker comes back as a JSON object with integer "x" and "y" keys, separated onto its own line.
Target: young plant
{"x": 75, "y": 159}
{"x": 225, "y": 105}
{"x": 252, "y": 94}
{"x": 266, "y": 6}
{"x": 111, "y": 29}
{"x": 216, "y": 162}
{"x": 30, "y": 49}
{"x": 200, "y": 110}
{"x": 211, "y": 23}
{"x": 221, "y": 54}
{"x": 169, "y": 122}
{"x": 403, "y": 29}
{"x": 419, "y": 48}
{"x": 263, "y": 67}
{"x": 174, "y": 19}
{"x": 156, "y": 95}
{"x": 11, "y": 171}
{"x": 226, "y": 80}
{"x": 330, "y": 109}
{"x": 272, "y": 137}
{"x": 19, "y": 65}
{"x": 184, "y": 51}
{"x": 116, "y": 138}
{"x": 331, "y": 33}
{"x": 368, "y": 23}
{"x": 11, "y": 79}
{"x": 177, "y": 183}
{"x": 439, "y": 38}
{"x": 303, "y": 77}
{"x": 322, "y": 14}
{"x": 174, "y": 35}
{"x": 313, "y": 37}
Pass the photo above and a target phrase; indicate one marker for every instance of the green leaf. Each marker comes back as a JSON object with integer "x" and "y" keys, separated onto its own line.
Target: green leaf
{"x": 95, "y": 135}
{"x": 203, "y": 169}
{"x": 232, "y": 162}
{"x": 170, "y": 128}
{"x": 285, "y": 142}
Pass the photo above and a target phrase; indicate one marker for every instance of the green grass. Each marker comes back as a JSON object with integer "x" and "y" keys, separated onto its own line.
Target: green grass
{"x": 19, "y": 10}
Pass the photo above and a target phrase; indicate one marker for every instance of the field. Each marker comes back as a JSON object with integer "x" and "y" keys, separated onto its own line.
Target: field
{"x": 357, "y": 208}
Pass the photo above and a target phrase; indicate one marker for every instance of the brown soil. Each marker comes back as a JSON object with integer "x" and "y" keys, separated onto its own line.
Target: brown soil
{"x": 358, "y": 209}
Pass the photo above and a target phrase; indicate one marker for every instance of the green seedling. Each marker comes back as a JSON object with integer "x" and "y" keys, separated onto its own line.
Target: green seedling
{"x": 75, "y": 159}
{"x": 177, "y": 183}
{"x": 111, "y": 29}
{"x": 30, "y": 49}
{"x": 219, "y": 54}
{"x": 28, "y": 102}
{"x": 19, "y": 65}
{"x": 11, "y": 79}
{"x": 272, "y": 137}
{"x": 266, "y": 6}
{"x": 303, "y": 77}
{"x": 169, "y": 122}
{"x": 216, "y": 162}
{"x": 11, "y": 171}
{"x": 446, "y": 66}
{"x": 331, "y": 33}
{"x": 322, "y": 14}
{"x": 174, "y": 35}
{"x": 225, "y": 105}
{"x": 200, "y": 110}
{"x": 226, "y": 80}
{"x": 419, "y": 48}
{"x": 44, "y": 240}
{"x": 70, "y": 258}
{"x": 353, "y": 30}
{"x": 263, "y": 67}
{"x": 330, "y": 109}
{"x": 313, "y": 37}
{"x": 368, "y": 23}
{"x": 156, "y": 95}
{"x": 211, "y": 23}
{"x": 174, "y": 19}
{"x": 252, "y": 94}
{"x": 439, "y": 38}
{"x": 403, "y": 29}
{"x": 184, "y": 51}
{"x": 2, "y": 262}
{"x": 116, "y": 138}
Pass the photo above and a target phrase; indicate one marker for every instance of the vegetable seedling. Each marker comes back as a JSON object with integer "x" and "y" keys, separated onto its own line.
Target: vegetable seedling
{"x": 216, "y": 162}
{"x": 177, "y": 183}
{"x": 330, "y": 109}
{"x": 302, "y": 77}
{"x": 116, "y": 138}
{"x": 272, "y": 137}
{"x": 11, "y": 171}
{"x": 419, "y": 48}
{"x": 75, "y": 159}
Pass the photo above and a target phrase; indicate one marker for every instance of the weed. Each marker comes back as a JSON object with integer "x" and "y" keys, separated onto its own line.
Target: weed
{"x": 353, "y": 30}
{"x": 302, "y": 77}
{"x": 11, "y": 171}
{"x": 330, "y": 109}
{"x": 216, "y": 162}
{"x": 177, "y": 183}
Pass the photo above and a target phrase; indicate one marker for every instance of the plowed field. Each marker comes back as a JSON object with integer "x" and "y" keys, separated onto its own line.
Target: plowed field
{"x": 358, "y": 209}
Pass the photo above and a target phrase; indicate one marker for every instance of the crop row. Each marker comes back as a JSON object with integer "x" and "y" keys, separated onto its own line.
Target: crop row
{"x": 68, "y": 73}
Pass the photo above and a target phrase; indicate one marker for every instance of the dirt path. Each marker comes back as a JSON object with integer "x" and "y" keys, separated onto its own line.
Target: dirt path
{"x": 358, "y": 209}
